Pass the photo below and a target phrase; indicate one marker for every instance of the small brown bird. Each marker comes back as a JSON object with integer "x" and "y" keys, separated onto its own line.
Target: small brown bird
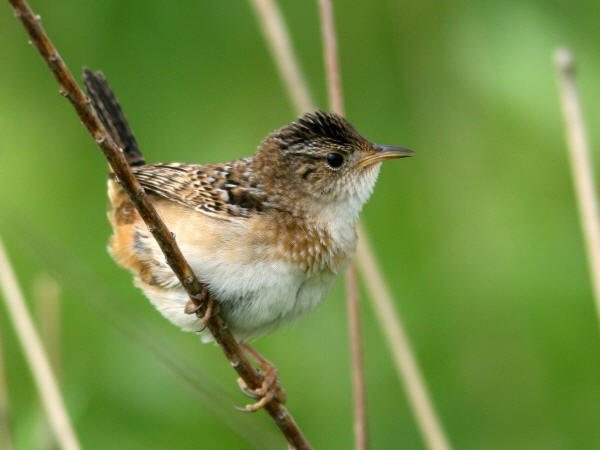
{"x": 267, "y": 234}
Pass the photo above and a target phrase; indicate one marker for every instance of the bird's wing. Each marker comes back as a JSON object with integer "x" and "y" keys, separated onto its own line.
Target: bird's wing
{"x": 223, "y": 191}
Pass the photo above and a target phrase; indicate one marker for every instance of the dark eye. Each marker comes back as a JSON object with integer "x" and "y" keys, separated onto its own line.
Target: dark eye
{"x": 335, "y": 160}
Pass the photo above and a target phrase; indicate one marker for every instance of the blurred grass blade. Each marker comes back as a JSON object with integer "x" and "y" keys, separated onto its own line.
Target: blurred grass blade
{"x": 74, "y": 276}
{"x": 35, "y": 356}
{"x": 276, "y": 34}
{"x": 581, "y": 166}
{"x": 46, "y": 300}
{"x": 6, "y": 434}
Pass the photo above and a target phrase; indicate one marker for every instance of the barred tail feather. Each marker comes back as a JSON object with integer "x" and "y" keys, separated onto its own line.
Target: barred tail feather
{"x": 110, "y": 113}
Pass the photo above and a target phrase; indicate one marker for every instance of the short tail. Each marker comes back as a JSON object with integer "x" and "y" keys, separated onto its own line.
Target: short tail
{"x": 110, "y": 113}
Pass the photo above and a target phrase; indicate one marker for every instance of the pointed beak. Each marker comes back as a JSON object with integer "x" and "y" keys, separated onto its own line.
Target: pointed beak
{"x": 383, "y": 152}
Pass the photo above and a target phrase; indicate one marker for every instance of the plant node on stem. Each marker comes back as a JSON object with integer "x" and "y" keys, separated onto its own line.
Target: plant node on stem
{"x": 161, "y": 233}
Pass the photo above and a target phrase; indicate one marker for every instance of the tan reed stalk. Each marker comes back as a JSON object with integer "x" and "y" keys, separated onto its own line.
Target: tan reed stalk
{"x": 336, "y": 103}
{"x": 400, "y": 349}
{"x": 75, "y": 276}
{"x": 332, "y": 63}
{"x": 359, "y": 387}
{"x": 277, "y": 37}
{"x": 393, "y": 329}
{"x": 581, "y": 166}
{"x": 5, "y": 420}
{"x": 35, "y": 355}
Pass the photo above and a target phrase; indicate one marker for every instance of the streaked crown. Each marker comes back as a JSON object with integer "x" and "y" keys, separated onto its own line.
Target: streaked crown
{"x": 322, "y": 158}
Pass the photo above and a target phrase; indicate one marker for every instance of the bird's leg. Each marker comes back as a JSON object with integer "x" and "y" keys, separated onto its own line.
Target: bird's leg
{"x": 270, "y": 387}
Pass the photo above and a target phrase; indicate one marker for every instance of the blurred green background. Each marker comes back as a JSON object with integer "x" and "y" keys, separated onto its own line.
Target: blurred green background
{"x": 478, "y": 234}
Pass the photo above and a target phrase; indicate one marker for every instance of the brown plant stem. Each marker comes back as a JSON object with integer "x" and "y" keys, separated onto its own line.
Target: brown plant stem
{"x": 163, "y": 236}
{"x": 581, "y": 166}
{"x": 402, "y": 354}
{"x": 36, "y": 356}
{"x": 336, "y": 103}
{"x": 332, "y": 64}
{"x": 380, "y": 296}
{"x": 359, "y": 390}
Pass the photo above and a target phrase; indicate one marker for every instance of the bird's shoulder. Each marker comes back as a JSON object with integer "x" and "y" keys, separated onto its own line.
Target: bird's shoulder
{"x": 223, "y": 191}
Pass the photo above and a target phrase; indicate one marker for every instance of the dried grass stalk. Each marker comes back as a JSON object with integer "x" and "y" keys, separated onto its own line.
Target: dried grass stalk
{"x": 36, "y": 356}
{"x": 581, "y": 166}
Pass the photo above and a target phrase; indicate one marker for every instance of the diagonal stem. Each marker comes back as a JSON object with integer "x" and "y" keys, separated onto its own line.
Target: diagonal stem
{"x": 278, "y": 39}
{"x": 581, "y": 166}
{"x": 80, "y": 280}
{"x": 402, "y": 354}
{"x": 36, "y": 356}
{"x": 161, "y": 233}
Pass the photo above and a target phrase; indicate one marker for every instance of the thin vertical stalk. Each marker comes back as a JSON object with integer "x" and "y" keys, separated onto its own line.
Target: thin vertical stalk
{"x": 278, "y": 39}
{"x": 336, "y": 103}
{"x": 332, "y": 64}
{"x": 406, "y": 364}
{"x": 359, "y": 390}
{"x": 375, "y": 284}
{"x": 581, "y": 166}
{"x": 35, "y": 355}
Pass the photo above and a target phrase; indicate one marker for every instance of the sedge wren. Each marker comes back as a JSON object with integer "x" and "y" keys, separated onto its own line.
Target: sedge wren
{"x": 267, "y": 235}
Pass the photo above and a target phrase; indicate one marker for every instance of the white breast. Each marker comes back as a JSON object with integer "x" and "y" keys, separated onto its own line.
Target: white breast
{"x": 256, "y": 293}
{"x": 255, "y": 298}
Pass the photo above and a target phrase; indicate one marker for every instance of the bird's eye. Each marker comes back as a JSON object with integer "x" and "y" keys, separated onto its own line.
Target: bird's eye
{"x": 335, "y": 160}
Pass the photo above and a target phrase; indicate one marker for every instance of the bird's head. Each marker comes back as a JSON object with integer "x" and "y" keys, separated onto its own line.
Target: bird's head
{"x": 321, "y": 159}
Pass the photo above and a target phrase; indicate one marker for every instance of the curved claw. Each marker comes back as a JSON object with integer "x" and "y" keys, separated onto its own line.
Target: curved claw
{"x": 245, "y": 390}
{"x": 269, "y": 388}
{"x": 201, "y": 329}
{"x": 210, "y": 306}
{"x": 192, "y": 307}
{"x": 259, "y": 404}
{"x": 197, "y": 301}
{"x": 240, "y": 409}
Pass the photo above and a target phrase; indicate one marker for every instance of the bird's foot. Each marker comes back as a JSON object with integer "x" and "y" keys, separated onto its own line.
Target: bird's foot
{"x": 196, "y": 302}
{"x": 203, "y": 305}
{"x": 270, "y": 387}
